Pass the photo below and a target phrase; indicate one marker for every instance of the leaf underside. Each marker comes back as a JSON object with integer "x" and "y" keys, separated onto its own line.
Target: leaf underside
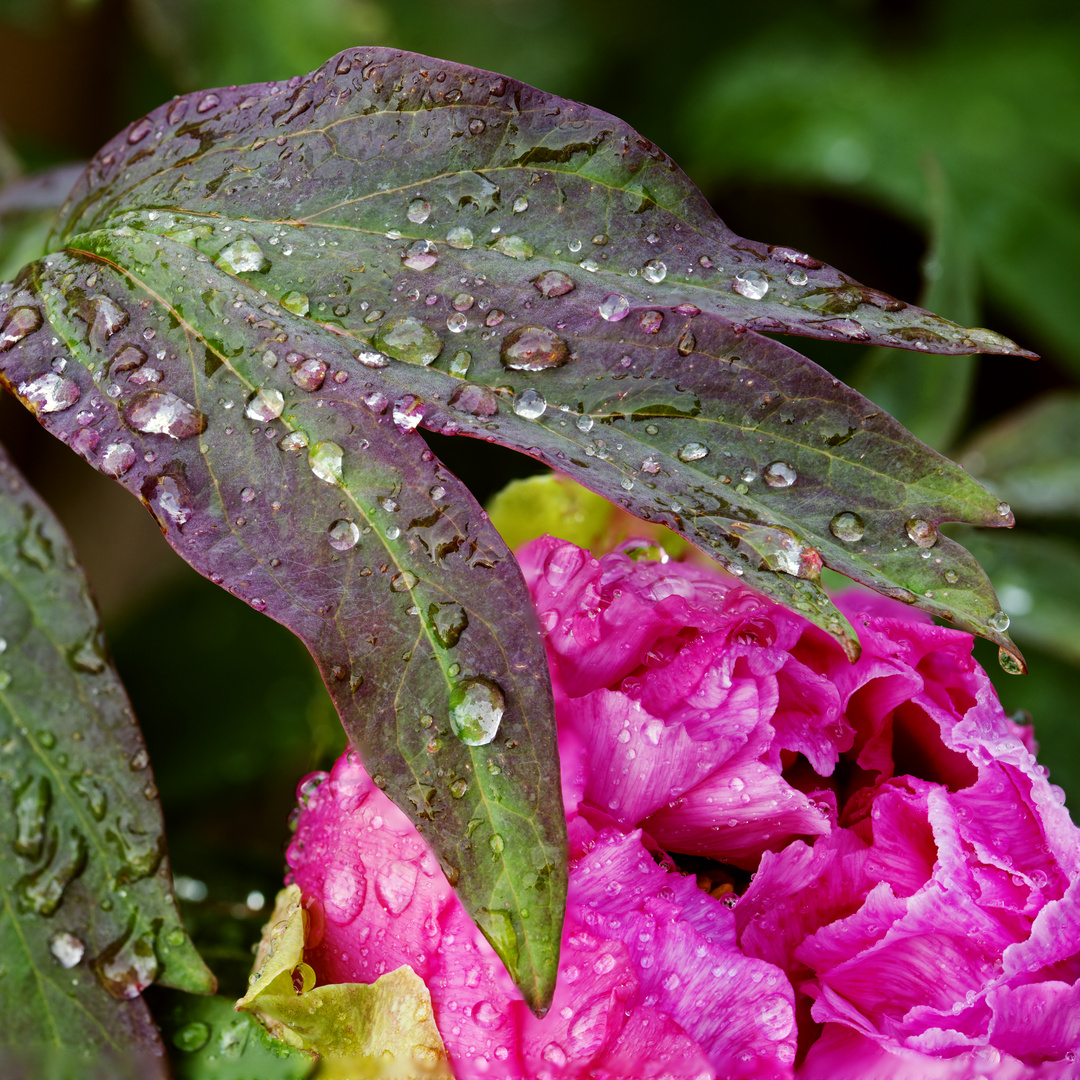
{"x": 255, "y": 295}
{"x": 87, "y": 917}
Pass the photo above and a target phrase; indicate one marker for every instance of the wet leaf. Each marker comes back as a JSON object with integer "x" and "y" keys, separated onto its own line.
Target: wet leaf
{"x": 87, "y": 918}
{"x": 257, "y": 294}
{"x": 1031, "y": 458}
{"x": 382, "y": 1029}
{"x": 208, "y": 1039}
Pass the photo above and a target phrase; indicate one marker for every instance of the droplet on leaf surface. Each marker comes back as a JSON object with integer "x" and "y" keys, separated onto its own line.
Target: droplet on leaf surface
{"x": 476, "y": 710}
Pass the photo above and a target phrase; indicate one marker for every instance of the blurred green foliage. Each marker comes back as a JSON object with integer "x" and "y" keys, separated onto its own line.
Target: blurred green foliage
{"x": 921, "y": 145}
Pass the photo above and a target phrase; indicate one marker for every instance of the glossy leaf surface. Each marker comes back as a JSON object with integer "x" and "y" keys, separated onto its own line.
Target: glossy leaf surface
{"x": 87, "y": 917}
{"x": 257, "y": 294}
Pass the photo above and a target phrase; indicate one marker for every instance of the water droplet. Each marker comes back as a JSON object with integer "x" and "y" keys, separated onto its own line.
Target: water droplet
{"x": 139, "y": 760}
{"x": 477, "y": 126}
{"x": 1009, "y": 664}
{"x": 651, "y": 466}
{"x": 108, "y": 317}
{"x": 117, "y": 458}
{"x": 521, "y": 204}
{"x": 463, "y": 301}
{"x": 421, "y": 255}
{"x": 574, "y": 245}
{"x": 395, "y": 885}
{"x": 476, "y": 710}
{"x": 513, "y": 246}
{"x": 267, "y": 403}
{"x": 295, "y": 440}
{"x": 21, "y": 322}
{"x": 1003, "y": 509}
{"x": 999, "y": 621}
{"x": 456, "y": 322}
{"x": 93, "y": 791}
{"x": 343, "y": 535}
{"x": 157, "y": 412}
{"x": 243, "y": 256}
{"x": 474, "y": 399}
{"x": 128, "y": 966}
{"x": 49, "y": 393}
{"x": 448, "y": 622}
{"x": 552, "y": 283}
{"x": 408, "y": 412}
{"x": 654, "y": 271}
{"x": 325, "y": 460}
{"x": 89, "y": 653}
{"x": 797, "y": 277}
{"x": 403, "y": 581}
{"x": 42, "y": 890}
{"x": 614, "y": 307}
{"x": 459, "y": 365}
{"x": 554, "y": 1054}
{"x": 297, "y": 303}
{"x": 192, "y": 1037}
{"x": 693, "y": 451}
{"x": 651, "y": 322}
{"x": 751, "y": 283}
{"x": 310, "y": 374}
{"x": 584, "y": 423}
{"x": 779, "y": 475}
{"x": 530, "y": 404}
{"x": 952, "y": 577}
{"x": 460, "y": 237}
{"x": 533, "y": 348}
{"x": 923, "y": 533}
{"x": 419, "y": 211}
{"x": 459, "y": 787}
{"x": 848, "y": 527}
{"x": 687, "y": 344}
{"x": 207, "y": 102}
{"x": 32, "y": 802}
{"x": 66, "y": 948}
{"x": 410, "y": 340}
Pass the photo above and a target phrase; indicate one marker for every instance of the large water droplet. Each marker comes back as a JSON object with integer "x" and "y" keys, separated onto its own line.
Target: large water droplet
{"x": 553, "y": 283}
{"x": 49, "y": 393}
{"x": 448, "y": 622}
{"x": 848, "y": 527}
{"x": 513, "y": 246}
{"x": 474, "y": 399}
{"x": 521, "y": 204}
{"x": 43, "y": 890}
{"x": 157, "y": 412}
{"x": 19, "y": 323}
{"x": 408, "y": 412}
{"x": 32, "y": 802}
{"x": 779, "y": 475}
{"x": 751, "y": 283}
{"x": 999, "y": 621}
{"x": 267, "y": 403}
{"x": 456, "y": 322}
{"x": 296, "y": 302}
{"x": 409, "y": 339}
{"x": 530, "y": 404}
{"x": 923, "y": 533}
{"x": 687, "y": 344}
{"x": 107, "y": 318}
{"x": 343, "y": 535}
{"x": 344, "y": 889}
{"x": 533, "y": 348}
{"x": 476, "y": 710}
{"x": 192, "y": 1037}
{"x": 654, "y": 271}
{"x": 325, "y": 460}
{"x": 614, "y": 307}
{"x": 421, "y": 255}
{"x": 66, "y": 948}
{"x": 460, "y": 237}
{"x": 693, "y": 451}
{"x": 584, "y": 423}
{"x": 797, "y": 277}
{"x": 419, "y": 211}
{"x": 395, "y": 885}
{"x": 310, "y": 374}
{"x": 128, "y": 966}
{"x": 117, "y": 458}
{"x": 243, "y": 256}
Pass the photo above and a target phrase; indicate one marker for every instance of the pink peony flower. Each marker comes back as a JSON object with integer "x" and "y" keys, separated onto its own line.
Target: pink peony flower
{"x": 916, "y": 875}
{"x": 651, "y": 980}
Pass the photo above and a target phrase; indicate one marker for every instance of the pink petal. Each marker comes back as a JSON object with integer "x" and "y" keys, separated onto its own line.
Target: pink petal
{"x": 1036, "y": 1021}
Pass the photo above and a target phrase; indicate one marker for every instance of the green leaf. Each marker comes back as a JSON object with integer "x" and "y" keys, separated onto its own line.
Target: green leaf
{"x": 383, "y": 1029}
{"x": 256, "y": 294}
{"x": 27, "y": 210}
{"x": 928, "y": 395}
{"x": 1031, "y": 457}
{"x": 208, "y": 1039}
{"x": 87, "y": 917}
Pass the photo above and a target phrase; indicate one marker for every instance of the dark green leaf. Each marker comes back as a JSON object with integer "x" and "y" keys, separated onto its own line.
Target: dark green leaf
{"x": 87, "y": 918}
{"x": 259, "y": 292}
{"x": 1032, "y": 457}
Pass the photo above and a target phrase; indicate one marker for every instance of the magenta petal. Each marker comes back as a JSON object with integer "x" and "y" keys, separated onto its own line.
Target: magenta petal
{"x": 1041, "y": 1016}
{"x": 651, "y": 1045}
{"x": 807, "y": 718}
{"x": 743, "y": 808}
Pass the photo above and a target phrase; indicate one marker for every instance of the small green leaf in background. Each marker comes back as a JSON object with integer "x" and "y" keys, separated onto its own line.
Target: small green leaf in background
{"x": 87, "y": 918}
{"x": 209, "y": 1040}
{"x": 27, "y": 210}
